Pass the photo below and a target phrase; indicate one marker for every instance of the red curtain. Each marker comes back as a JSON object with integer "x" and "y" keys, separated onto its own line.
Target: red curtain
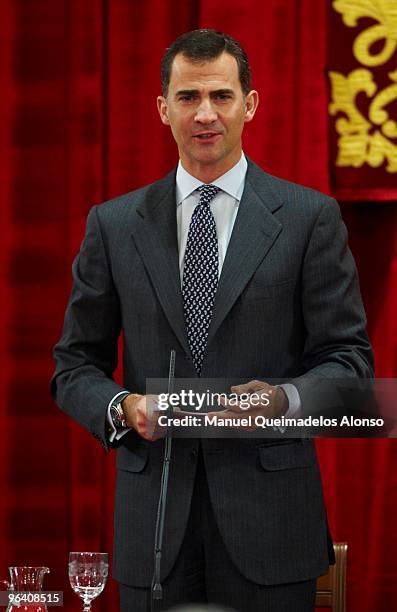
{"x": 78, "y": 87}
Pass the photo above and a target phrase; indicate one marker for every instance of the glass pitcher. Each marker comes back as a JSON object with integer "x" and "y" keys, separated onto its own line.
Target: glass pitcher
{"x": 29, "y": 581}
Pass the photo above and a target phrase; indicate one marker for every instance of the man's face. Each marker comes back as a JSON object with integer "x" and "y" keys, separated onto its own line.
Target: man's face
{"x": 206, "y": 110}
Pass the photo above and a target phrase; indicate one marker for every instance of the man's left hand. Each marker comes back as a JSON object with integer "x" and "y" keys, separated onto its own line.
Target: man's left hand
{"x": 258, "y": 398}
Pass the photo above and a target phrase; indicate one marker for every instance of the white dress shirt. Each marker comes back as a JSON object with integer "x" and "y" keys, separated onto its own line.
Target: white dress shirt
{"x": 224, "y": 207}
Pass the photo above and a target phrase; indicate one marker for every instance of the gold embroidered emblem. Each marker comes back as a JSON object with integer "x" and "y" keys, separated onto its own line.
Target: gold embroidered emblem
{"x": 367, "y": 138}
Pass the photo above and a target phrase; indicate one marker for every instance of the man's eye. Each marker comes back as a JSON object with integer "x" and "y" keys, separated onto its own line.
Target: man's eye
{"x": 222, "y": 96}
{"x": 186, "y": 98}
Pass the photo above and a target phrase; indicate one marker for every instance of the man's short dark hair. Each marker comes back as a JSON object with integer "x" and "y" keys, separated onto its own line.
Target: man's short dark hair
{"x": 204, "y": 46}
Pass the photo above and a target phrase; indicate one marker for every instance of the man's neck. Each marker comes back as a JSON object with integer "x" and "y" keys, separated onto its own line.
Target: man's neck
{"x": 207, "y": 173}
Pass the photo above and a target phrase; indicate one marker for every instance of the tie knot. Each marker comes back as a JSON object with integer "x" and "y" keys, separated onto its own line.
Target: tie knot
{"x": 207, "y": 193}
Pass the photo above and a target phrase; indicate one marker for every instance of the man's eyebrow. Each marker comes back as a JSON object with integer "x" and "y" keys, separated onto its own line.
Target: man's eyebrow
{"x": 222, "y": 91}
{"x": 192, "y": 92}
{"x": 186, "y": 92}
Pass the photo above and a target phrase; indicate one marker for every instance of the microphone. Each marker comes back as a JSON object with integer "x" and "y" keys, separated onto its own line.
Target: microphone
{"x": 157, "y": 589}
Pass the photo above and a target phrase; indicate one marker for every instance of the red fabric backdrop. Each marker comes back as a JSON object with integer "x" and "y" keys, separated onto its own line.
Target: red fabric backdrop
{"x": 78, "y": 87}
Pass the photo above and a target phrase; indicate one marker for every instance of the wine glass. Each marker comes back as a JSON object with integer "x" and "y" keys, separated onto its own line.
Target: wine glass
{"x": 88, "y": 572}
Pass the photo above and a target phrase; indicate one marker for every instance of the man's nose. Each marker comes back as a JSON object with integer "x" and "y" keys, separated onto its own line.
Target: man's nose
{"x": 205, "y": 112}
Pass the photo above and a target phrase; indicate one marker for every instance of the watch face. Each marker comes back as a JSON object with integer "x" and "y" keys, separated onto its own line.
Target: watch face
{"x": 115, "y": 414}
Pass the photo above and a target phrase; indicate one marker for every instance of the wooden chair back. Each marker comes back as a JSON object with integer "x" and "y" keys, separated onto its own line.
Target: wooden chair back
{"x": 331, "y": 588}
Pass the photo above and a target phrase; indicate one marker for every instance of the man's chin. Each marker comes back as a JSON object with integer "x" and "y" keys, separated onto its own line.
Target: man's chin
{"x": 209, "y": 157}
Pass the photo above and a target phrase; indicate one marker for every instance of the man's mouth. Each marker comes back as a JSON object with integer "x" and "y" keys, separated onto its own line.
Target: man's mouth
{"x": 206, "y": 135}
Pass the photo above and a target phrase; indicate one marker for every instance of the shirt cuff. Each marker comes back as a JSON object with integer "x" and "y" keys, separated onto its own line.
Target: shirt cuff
{"x": 294, "y": 404}
{"x": 116, "y": 434}
{"x": 294, "y": 400}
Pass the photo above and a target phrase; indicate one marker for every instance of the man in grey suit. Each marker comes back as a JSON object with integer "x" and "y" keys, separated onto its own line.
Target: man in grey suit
{"x": 277, "y": 298}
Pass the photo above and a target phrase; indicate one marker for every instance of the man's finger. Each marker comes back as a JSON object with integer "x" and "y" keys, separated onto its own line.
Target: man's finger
{"x": 250, "y": 387}
{"x": 230, "y": 405}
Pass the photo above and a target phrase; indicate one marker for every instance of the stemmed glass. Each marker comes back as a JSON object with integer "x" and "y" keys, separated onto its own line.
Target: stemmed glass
{"x": 88, "y": 572}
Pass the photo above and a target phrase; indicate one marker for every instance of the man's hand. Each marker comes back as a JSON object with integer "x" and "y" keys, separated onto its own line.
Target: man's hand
{"x": 266, "y": 400}
{"x": 141, "y": 413}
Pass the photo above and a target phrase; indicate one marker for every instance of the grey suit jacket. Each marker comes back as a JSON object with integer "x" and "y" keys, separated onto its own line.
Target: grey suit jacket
{"x": 287, "y": 306}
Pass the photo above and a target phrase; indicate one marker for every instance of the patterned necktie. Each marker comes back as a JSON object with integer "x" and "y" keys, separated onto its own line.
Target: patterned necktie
{"x": 200, "y": 274}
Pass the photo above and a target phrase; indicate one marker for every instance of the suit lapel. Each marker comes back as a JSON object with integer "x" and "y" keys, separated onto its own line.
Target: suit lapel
{"x": 254, "y": 232}
{"x": 155, "y": 236}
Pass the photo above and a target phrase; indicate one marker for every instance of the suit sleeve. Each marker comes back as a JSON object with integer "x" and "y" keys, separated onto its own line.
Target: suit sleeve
{"x": 86, "y": 355}
{"x": 336, "y": 345}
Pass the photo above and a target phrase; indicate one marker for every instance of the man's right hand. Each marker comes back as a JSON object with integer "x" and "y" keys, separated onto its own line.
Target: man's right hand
{"x": 141, "y": 413}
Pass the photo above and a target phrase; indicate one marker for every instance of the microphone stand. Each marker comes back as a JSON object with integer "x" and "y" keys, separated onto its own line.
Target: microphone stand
{"x": 156, "y": 589}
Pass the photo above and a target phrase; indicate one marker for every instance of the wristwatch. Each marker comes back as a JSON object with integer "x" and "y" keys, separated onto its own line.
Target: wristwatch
{"x": 118, "y": 416}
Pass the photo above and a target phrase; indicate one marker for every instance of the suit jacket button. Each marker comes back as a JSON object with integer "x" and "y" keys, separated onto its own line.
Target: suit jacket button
{"x": 193, "y": 454}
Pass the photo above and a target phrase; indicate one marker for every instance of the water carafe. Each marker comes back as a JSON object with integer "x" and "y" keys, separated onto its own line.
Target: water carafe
{"x": 27, "y": 582}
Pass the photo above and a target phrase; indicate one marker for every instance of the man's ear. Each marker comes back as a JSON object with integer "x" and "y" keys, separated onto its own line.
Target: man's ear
{"x": 251, "y": 104}
{"x": 163, "y": 109}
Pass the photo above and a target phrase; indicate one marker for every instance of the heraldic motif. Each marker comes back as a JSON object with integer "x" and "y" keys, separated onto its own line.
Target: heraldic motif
{"x": 370, "y": 136}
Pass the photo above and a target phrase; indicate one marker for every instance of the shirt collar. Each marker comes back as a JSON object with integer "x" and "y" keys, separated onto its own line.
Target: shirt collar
{"x": 232, "y": 182}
